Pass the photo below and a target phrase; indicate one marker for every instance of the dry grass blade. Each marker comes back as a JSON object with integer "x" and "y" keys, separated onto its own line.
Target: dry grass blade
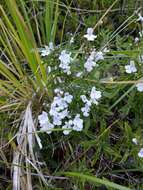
{"x": 24, "y": 154}
{"x": 16, "y": 171}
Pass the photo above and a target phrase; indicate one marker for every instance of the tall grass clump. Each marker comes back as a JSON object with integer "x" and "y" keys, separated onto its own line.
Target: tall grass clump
{"x": 71, "y": 90}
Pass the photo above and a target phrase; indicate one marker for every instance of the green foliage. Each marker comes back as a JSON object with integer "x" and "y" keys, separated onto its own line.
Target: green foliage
{"x": 104, "y": 148}
{"x": 96, "y": 180}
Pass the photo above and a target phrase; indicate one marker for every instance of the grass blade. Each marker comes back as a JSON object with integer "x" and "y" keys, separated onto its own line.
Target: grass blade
{"x": 96, "y": 180}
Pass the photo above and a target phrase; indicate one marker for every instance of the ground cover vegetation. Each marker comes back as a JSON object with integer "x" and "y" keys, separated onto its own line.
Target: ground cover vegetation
{"x": 71, "y": 94}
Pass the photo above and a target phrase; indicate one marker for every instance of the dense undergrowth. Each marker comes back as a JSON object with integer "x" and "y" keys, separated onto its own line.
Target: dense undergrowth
{"x": 71, "y": 114}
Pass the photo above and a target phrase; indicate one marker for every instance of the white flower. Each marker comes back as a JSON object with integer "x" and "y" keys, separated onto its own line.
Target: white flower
{"x": 72, "y": 40}
{"x": 90, "y": 36}
{"x": 92, "y": 55}
{"x": 105, "y": 50}
{"x": 47, "y": 50}
{"x": 57, "y": 120}
{"x": 68, "y": 97}
{"x": 79, "y": 74}
{"x": 99, "y": 56}
{"x": 47, "y": 127}
{"x": 68, "y": 126}
{"x": 55, "y": 109}
{"x": 131, "y": 68}
{"x": 85, "y": 110}
{"x": 92, "y": 59}
{"x": 141, "y": 33}
{"x": 95, "y": 95}
{"x": 45, "y": 123}
{"x": 77, "y": 123}
{"x": 59, "y": 107}
{"x": 136, "y": 39}
{"x": 134, "y": 140}
{"x": 83, "y": 98}
{"x": 89, "y": 64}
{"x": 65, "y": 67}
{"x": 63, "y": 114}
{"x": 140, "y": 153}
{"x": 43, "y": 118}
{"x": 58, "y": 91}
{"x": 51, "y": 46}
{"x": 65, "y": 57}
{"x": 49, "y": 69}
{"x": 139, "y": 87}
{"x": 140, "y": 17}
{"x": 59, "y": 102}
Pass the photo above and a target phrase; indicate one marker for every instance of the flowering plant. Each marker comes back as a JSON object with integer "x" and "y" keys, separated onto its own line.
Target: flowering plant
{"x": 78, "y": 97}
{"x": 73, "y": 101}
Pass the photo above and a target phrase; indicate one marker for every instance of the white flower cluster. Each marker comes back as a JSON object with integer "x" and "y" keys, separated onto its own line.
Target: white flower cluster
{"x": 58, "y": 111}
{"x": 59, "y": 106}
{"x": 45, "y": 123}
{"x": 65, "y": 61}
{"x": 86, "y": 109}
{"x": 95, "y": 95}
{"x": 92, "y": 59}
{"x": 76, "y": 124}
{"x": 131, "y": 68}
{"x": 47, "y": 50}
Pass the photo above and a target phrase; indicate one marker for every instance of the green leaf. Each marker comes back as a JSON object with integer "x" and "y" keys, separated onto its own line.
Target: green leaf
{"x": 96, "y": 180}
